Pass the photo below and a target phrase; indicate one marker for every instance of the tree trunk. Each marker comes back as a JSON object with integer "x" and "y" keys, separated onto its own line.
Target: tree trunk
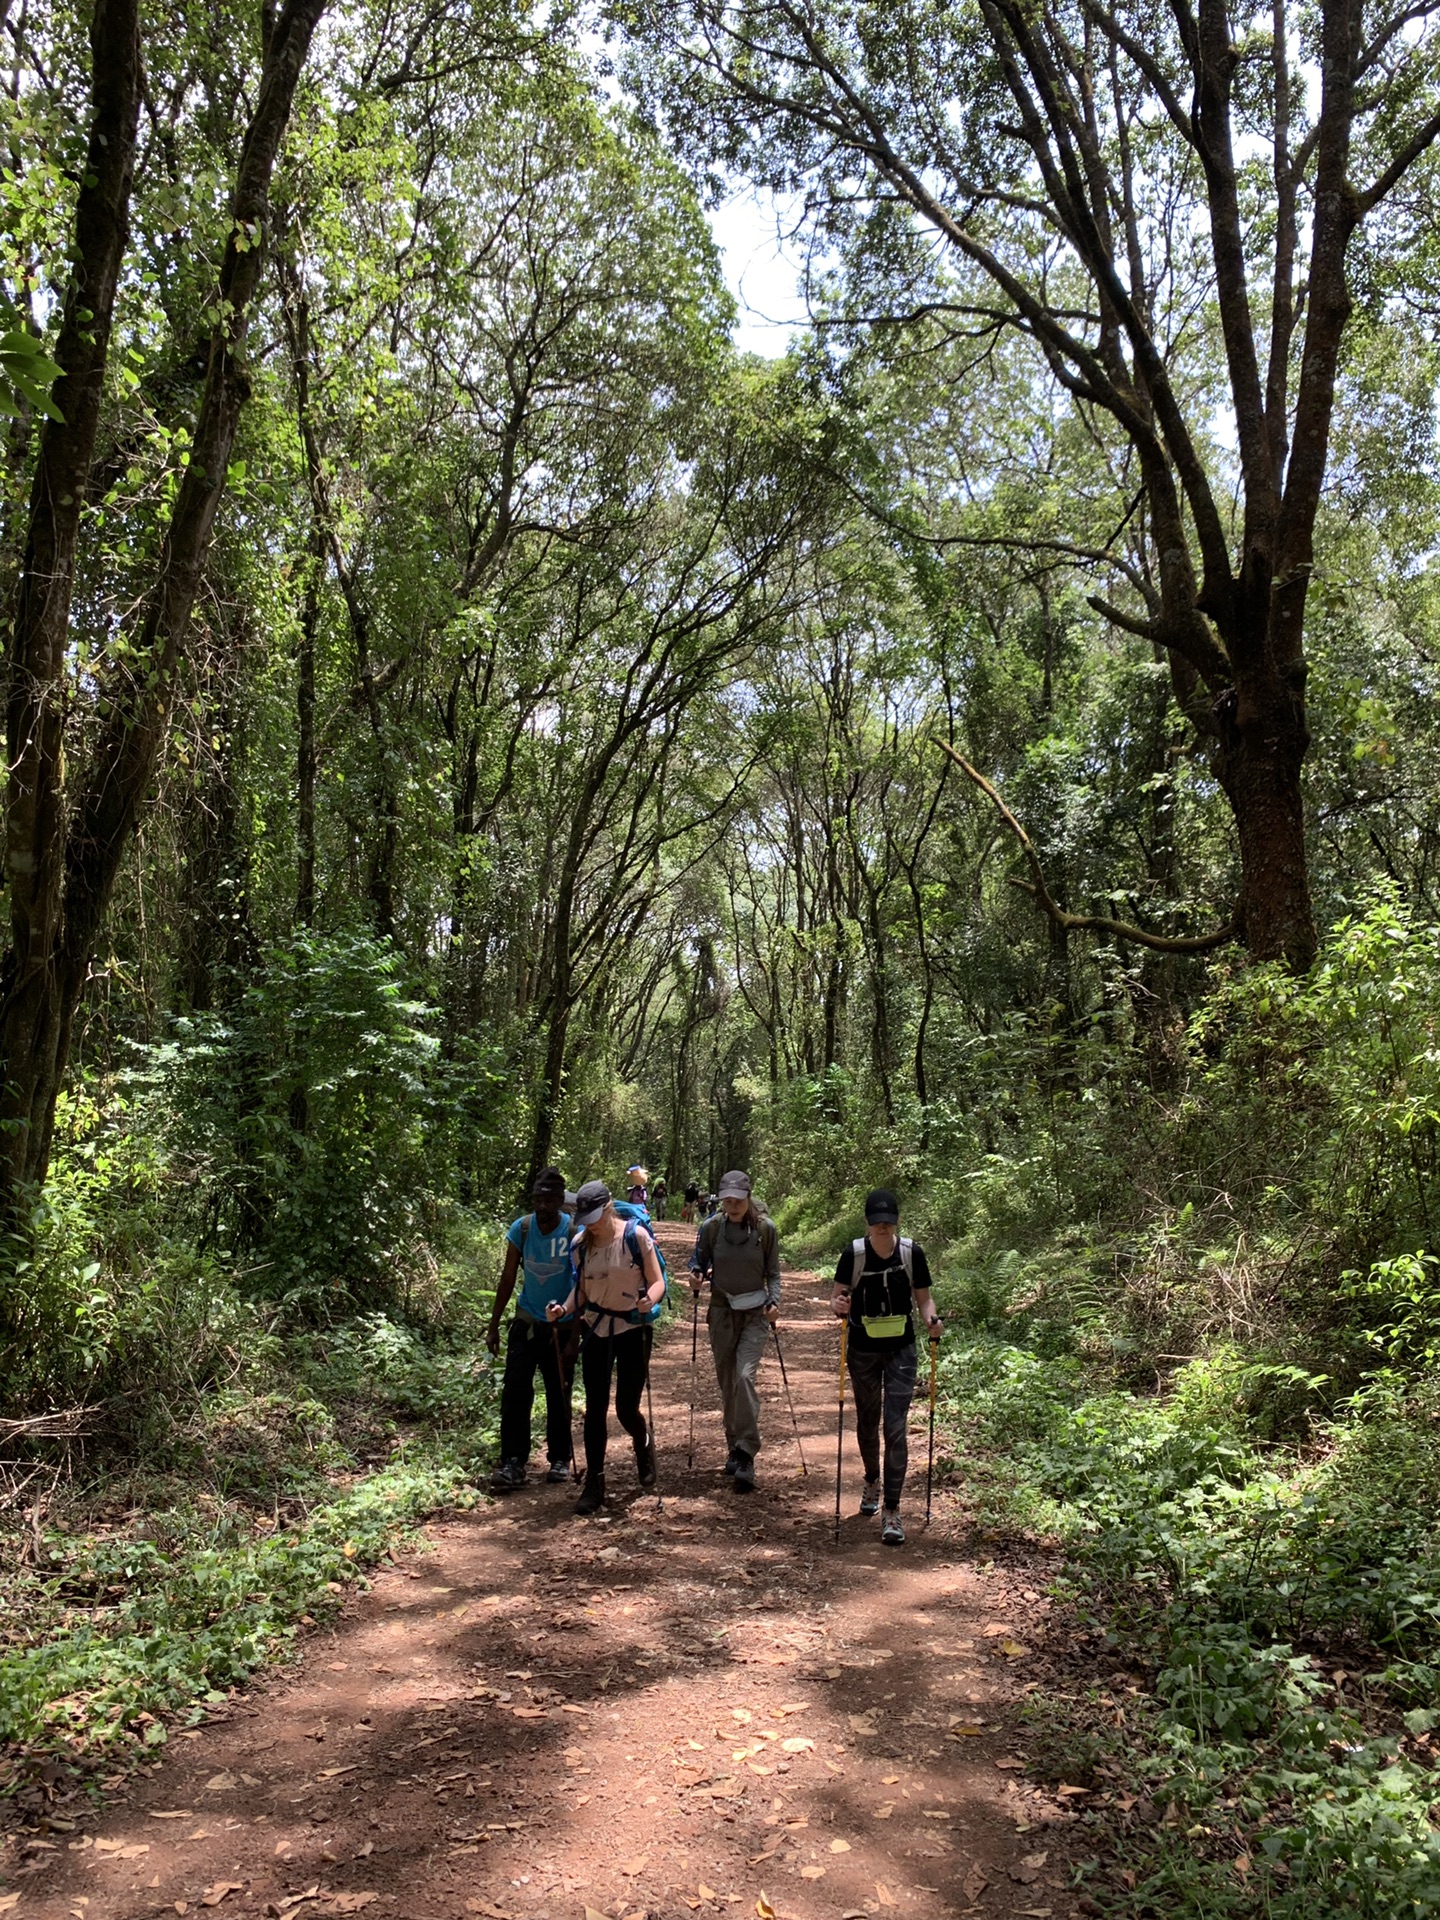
{"x": 31, "y": 1022}
{"x": 305, "y": 754}
{"x": 62, "y": 857}
{"x": 1263, "y": 737}
{"x": 552, "y": 1090}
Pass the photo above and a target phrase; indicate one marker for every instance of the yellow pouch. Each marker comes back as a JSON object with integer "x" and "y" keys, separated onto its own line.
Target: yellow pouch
{"x": 883, "y": 1326}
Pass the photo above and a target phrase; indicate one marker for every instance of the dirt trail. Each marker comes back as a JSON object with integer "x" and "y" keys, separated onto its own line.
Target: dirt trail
{"x": 690, "y": 1704}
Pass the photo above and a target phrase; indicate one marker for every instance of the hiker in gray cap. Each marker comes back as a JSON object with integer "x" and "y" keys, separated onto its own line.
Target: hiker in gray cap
{"x": 738, "y": 1251}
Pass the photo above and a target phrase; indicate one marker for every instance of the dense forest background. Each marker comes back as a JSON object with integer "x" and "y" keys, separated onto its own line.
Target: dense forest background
{"x": 464, "y": 714}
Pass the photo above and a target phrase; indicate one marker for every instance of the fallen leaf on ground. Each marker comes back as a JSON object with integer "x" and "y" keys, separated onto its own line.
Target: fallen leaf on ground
{"x": 212, "y": 1896}
{"x": 884, "y": 1813}
{"x": 861, "y": 1723}
{"x": 763, "y": 1909}
{"x": 501, "y": 1913}
{"x": 528, "y": 1713}
{"x": 839, "y": 1846}
{"x": 1068, "y": 1793}
{"x": 220, "y": 1782}
{"x": 797, "y": 1743}
{"x": 832, "y": 1673}
{"x": 331, "y": 1773}
{"x": 995, "y": 1628}
{"x": 182, "y": 1906}
{"x": 349, "y": 1902}
{"x": 1011, "y": 1766}
{"x": 1013, "y": 1649}
{"x": 178, "y": 1813}
{"x": 889, "y": 1779}
{"x": 975, "y": 1884}
{"x": 7, "y": 1901}
{"x": 812, "y": 1873}
{"x": 967, "y": 1730}
{"x": 883, "y": 1894}
{"x": 706, "y": 1893}
{"x": 637, "y": 1865}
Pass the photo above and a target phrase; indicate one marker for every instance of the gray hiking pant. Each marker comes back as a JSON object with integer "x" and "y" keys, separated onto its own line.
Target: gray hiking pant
{"x": 737, "y": 1341}
{"x": 884, "y": 1384}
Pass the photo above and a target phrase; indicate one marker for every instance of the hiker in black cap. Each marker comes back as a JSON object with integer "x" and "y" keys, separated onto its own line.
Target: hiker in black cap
{"x": 880, "y": 1283}
{"x": 538, "y": 1253}
{"x": 739, "y": 1250}
{"x": 618, "y": 1282}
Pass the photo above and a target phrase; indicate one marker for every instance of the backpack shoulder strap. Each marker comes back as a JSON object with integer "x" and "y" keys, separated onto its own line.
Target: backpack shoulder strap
{"x": 857, "y": 1247}
{"x": 525, "y": 1226}
{"x": 907, "y": 1259}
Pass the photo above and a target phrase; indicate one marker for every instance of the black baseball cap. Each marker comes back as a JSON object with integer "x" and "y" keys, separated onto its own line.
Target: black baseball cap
{"x": 881, "y": 1207}
{"x": 590, "y": 1202}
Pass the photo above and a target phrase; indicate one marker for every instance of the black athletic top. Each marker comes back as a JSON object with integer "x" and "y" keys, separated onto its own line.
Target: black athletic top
{"x": 882, "y": 1288}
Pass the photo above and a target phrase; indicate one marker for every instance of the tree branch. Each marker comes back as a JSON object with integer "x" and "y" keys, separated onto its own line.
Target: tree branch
{"x": 1081, "y": 922}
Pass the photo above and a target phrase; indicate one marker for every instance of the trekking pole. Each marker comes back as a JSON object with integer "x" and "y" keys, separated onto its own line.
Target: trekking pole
{"x": 840, "y": 1428}
{"x": 568, "y": 1389}
{"x": 930, "y": 1462}
{"x": 694, "y": 1363}
{"x": 780, "y": 1356}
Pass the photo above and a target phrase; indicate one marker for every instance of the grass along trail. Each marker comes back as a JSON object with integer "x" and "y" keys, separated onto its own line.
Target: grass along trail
{"x": 693, "y": 1703}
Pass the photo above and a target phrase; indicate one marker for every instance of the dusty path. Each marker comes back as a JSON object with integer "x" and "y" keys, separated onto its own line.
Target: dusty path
{"x": 691, "y": 1704}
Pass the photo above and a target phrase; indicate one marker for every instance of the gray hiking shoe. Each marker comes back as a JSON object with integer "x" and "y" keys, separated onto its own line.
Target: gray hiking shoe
{"x": 892, "y": 1534}
{"x": 744, "y": 1471}
{"x": 508, "y": 1475}
{"x": 870, "y": 1498}
{"x": 732, "y": 1462}
{"x": 559, "y": 1474}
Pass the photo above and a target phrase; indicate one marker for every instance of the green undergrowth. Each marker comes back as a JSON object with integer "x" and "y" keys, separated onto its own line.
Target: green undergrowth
{"x": 153, "y": 1583}
{"x": 1277, "y": 1608}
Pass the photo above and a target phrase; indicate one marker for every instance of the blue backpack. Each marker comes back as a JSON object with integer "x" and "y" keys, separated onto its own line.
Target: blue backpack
{"x": 634, "y": 1217}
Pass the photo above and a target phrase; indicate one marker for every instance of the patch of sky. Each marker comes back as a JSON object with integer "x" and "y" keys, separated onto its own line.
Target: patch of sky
{"x": 764, "y": 261}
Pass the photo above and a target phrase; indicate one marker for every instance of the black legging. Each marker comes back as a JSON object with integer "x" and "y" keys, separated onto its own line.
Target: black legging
{"x": 627, "y": 1357}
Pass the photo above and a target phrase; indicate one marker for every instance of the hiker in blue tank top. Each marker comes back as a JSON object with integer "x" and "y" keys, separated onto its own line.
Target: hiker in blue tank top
{"x": 881, "y": 1282}
{"x": 738, "y": 1250}
{"x": 538, "y": 1248}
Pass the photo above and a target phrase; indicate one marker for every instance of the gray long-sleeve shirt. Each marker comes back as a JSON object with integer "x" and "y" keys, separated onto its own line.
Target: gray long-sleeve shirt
{"x": 740, "y": 1260}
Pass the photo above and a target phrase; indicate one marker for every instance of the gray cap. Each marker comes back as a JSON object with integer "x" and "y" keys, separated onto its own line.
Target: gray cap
{"x": 734, "y": 1186}
{"x": 590, "y": 1202}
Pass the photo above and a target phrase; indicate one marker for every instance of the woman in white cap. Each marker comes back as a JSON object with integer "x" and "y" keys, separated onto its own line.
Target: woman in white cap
{"x": 617, "y": 1283}
{"x": 738, "y": 1249}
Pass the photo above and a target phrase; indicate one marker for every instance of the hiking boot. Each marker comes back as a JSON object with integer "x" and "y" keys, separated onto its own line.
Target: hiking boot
{"x": 645, "y": 1461}
{"x": 559, "y": 1474}
{"x": 732, "y": 1462}
{"x": 508, "y": 1475}
{"x": 744, "y": 1471}
{"x": 592, "y": 1494}
{"x": 892, "y": 1534}
{"x": 870, "y": 1498}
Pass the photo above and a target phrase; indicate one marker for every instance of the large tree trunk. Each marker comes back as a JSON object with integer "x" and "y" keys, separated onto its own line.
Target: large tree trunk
{"x": 66, "y": 853}
{"x": 1263, "y": 739}
{"x": 31, "y": 1055}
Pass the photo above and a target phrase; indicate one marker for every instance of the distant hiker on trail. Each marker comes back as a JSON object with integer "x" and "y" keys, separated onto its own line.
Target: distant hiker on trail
{"x": 661, "y": 1195}
{"x": 618, "y": 1284}
{"x": 637, "y": 1187}
{"x": 738, "y": 1250}
{"x": 692, "y": 1200}
{"x": 880, "y": 1282}
{"x": 538, "y": 1243}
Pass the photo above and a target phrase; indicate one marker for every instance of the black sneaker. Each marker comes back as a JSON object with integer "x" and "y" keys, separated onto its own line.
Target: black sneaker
{"x": 592, "y": 1494}
{"x": 744, "y": 1472}
{"x": 508, "y": 1475}
{"x": 559, "y": 1474}
{"x": 733, "y": 1462}
{"x": 645, "y": 1461}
